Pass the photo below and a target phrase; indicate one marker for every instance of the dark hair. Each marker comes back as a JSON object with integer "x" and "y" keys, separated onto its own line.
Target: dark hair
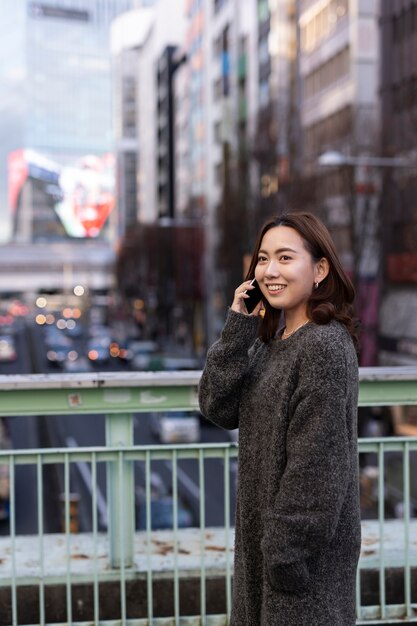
{"x": 334, "y": 297}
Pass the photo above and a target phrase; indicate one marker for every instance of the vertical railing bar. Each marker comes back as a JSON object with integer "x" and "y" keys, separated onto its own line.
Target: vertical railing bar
{"x": 406, "y": 488}
{"x": 148, "y": 535}
{"x": 95, "y": 528}
{"x": 13, "y": 537}
{"x": 40, "y": 536}
{"x": 68, "y": 535}
{"x": 358, "y": 595}
{"x": 119, "y": 434}
{"x": 175, "y": 528}
{"x": 381, "y": 518}
{"x": 358, "y": 582}
{"x": 227, "y": 531}
{"x": 122, "y": 540}
{"x": 202, "y": 535}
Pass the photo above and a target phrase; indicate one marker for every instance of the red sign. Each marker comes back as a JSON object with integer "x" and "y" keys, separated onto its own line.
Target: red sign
{"x": 17, "y": 172}
{"x": 402, "y": 268}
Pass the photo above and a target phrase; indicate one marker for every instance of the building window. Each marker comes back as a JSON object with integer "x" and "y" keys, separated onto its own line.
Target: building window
{"x": 413, "y": 20}
{"x": 325, "y": 75}
{"x": 264, "y": 93}
{"x": 263, "y": 10}
{"x": 218, "y": 132}
{"x": 329, "y": 132}
{"x": 218, "y": 46}
{"x": 404, "y": 24}
{"x": 404, "y": 95}
{"x": 263, "y": 51}
{"x": 218, "y": 4}
{"x": 322, "y": 24}
{"x": 218, "y": 89}
{"x": 218, "y": 174}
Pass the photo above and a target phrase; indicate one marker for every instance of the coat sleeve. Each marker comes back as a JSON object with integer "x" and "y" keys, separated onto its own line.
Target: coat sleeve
{"x": 311, "y": 492}
{"x": 226, "y": 366}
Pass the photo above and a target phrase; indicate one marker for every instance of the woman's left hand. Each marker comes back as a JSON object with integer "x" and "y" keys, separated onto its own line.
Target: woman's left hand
{"x": 238, "y": 303}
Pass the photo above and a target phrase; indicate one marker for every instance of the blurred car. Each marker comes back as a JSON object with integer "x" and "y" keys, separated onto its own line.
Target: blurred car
{"x": 143, "y": 355}
{"x": 99, "y": 330}
{"x": 98, "y": 315}
{"x": 147, "y": 362}
{"x": 80, "y": 364}
{"x": 56, "y": 338}
{"x": 8, "y": 351}
{"x": 56, "y": 355}
{"x": 162, "y": 508}
{"x": 176, "y": 426}
{"x": 119, "y": 350}
{"x": 162, "y": 514}
{"x": 175, "y": 363}
{"x": 142, "y": 347}
{"x": 5, "y": 444}
{"x": 58, "y": 346}
{"x": 98, "y": 349}
{"x": 74, "y": 329}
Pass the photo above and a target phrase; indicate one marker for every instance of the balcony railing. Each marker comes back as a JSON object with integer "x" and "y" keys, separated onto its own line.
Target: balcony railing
{"x": 119, "y": 569}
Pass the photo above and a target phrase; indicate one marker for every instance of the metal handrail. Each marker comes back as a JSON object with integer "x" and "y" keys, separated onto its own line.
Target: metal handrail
{"x": 119, "y": 396}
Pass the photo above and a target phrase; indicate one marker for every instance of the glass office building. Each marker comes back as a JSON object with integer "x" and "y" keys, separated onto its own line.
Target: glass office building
{"x": 55, "y": 85}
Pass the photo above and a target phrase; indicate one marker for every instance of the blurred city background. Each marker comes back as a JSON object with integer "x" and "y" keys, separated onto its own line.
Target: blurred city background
{"x": 143, "y": 144}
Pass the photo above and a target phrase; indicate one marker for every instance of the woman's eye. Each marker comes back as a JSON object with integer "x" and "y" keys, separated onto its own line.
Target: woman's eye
{"x": 285, "y": 257}
{"x": 261, "y": 258}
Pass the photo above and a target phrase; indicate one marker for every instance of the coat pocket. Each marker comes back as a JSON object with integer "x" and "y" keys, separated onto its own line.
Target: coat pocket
{"x": 289, "y": 577}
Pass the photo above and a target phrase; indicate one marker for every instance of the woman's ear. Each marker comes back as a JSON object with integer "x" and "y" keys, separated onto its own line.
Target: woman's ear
{"x": 322, "y": 269}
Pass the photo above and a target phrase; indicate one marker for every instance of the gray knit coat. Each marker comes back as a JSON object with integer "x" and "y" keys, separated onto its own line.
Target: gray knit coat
{"x": 297, "y": 536}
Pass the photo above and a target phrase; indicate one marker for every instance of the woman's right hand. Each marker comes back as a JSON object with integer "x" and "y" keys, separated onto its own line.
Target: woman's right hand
{"x": 238, "y": 304}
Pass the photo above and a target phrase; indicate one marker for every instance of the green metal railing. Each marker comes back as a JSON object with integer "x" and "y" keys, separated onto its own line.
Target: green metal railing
{"x": 129, "y": 568}
{"x": 120, "y": 575}
{"x": 396, "y": 553}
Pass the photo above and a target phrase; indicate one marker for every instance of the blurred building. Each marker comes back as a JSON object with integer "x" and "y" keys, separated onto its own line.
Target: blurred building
{"x": 56, "y": 83}
{"x": 182, "y": 143}
{"x": 235, "y": 102}
{"x": 339, "y": 64}
{"x": 160, "y": 256}
{"x": 128, "y": 34}
{"x": 398, "y": 317}
{"x": 58, "y": 267}
{"x": 167, "y": 66}
{"x": 340, "y": 109}
{"x": 276, "y": 146}
{"x": 167, "y": 30}
{"x": 216, "y": 92}
{"x": 251, "y": 128}
{"x": 143, "y": 42}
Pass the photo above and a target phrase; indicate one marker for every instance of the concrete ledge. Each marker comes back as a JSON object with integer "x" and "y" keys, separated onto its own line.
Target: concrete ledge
{"x": 82, "y": 565}
{"x": 160, "y": 379}
{"x": 98, "y": 380}
{"x": 392, "y": 550}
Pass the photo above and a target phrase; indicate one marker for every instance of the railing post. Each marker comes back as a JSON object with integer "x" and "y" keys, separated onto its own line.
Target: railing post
{"x": 120, "y": 500}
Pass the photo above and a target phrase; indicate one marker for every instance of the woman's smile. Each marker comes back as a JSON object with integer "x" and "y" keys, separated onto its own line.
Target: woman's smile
{"x": 275, "y": 289}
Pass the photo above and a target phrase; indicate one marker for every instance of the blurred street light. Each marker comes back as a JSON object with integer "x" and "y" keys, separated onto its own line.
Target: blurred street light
{"x": 79, "y": 290}
{"x": 334, "y": 158}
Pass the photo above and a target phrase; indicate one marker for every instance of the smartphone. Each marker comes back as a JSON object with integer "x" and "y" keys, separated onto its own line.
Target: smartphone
{"x": 255, "y": 296}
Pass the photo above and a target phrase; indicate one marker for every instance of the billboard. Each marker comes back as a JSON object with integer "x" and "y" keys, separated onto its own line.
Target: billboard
{"x": 49, "y": 199}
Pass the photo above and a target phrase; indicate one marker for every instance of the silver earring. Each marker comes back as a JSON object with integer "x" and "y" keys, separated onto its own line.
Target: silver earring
{"x": 316, "y": 285}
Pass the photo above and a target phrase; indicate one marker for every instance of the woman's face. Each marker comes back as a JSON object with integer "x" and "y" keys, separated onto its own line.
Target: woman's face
{"x": 286, "y": 271}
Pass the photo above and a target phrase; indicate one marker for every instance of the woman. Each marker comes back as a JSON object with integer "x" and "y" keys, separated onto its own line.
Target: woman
{"x": 293, "y": 394}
